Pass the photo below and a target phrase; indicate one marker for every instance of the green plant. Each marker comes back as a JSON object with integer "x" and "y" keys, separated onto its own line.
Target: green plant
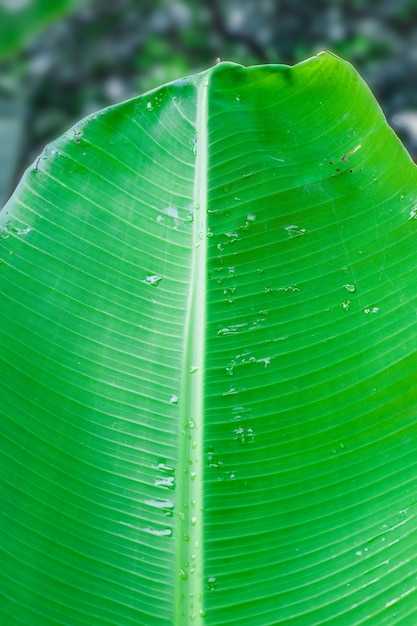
{"x": 20, "y": 20}
{"x": 207, "y": 361}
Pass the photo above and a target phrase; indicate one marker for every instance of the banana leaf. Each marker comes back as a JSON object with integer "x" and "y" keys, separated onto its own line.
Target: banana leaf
{"x": 208, "y": 361}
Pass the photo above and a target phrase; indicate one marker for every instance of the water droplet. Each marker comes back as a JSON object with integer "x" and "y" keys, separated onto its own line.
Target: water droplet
{"x": 191, "y": 423}
{"x": 172, "y": 211}
{"x": 232, "y": 237}
{"x": 345, "y": 305}
{"x": 244, "y": 435}
{"x": 292, "y": 288}
{"x": 213, "y": 460}
{"x": 149, "y": 106}
{"x": 153, "y": 280}
{"x": 173, "y": 399}
{"x": 349, "y": 287}
{"x": 168, "y": 482}
{"x": 183, "y": 574}
{"x": 232, "y": 329}
{"x": 193, "y": 521}
{"x": 229, "y": 291}
{"x": 77, "y": 134}
{"x": 165, "y": 505}
{"x": 22, "y": 231}
{"x": 165, "y": 532}
{"x": 266, "y": 361}
{"x": 161, "y": 465}
{"x": 212, "y": 583}
{"x": 193, "y": 369}
{"x": 295, "y": 231}
{"x": 370, "y": 310}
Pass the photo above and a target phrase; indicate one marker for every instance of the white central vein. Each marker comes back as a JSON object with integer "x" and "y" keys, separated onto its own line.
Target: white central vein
{"x": 190, "y": 501}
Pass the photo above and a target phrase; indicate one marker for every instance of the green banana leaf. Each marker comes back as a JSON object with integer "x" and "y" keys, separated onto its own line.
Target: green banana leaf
{"x": 208, "y": 332}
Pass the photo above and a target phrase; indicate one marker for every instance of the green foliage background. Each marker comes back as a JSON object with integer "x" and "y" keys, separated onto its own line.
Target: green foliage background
{"x": 104, "y": 51}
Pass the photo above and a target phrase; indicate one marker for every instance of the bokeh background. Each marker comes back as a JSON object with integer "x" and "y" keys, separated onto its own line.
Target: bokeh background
{"x": 62, "y": 59}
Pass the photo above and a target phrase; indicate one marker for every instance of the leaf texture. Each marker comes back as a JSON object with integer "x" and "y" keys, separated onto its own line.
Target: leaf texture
{"x": 207, "y": 361}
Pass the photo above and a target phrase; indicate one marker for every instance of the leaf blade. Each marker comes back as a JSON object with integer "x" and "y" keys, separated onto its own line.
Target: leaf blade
{"x": 297, "y": 308}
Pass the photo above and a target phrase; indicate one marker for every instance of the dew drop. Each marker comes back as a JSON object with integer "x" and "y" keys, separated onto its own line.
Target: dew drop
{"x": 165, "y": 532}
{"x": 244, "y": 435}
{"x": 22, "y": 231}
{"x": 295, "y": 231}
{"x": 162, "y": 466}
{"x": 212, "y": 583}
{"x": 266, "y": 361}
{"x": 172, "y": 211}
{"x": 167, "y": 482}
{"x": 232, "y": 237}
{"x": 160, "y": 504}
{"x": 349, "y": 287}
{"x": 149, "y": 106}
{"x": 153, "y": 280}
{"x": 173, "y": 399}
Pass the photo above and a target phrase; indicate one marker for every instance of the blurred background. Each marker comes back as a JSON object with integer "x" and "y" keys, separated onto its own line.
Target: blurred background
{"x": 63, "y": 59}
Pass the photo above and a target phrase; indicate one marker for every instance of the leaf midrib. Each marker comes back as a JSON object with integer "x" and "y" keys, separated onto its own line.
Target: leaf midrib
{"x": 189, "y": 567}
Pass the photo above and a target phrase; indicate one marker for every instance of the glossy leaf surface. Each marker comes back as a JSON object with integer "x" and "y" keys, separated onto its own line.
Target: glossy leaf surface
{"x": 207, "y": 361}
